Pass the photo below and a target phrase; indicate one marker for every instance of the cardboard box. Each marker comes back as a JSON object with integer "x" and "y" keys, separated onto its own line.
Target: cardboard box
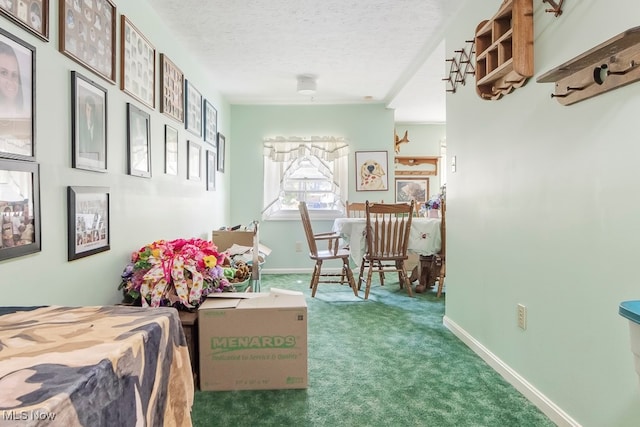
{"x": 253, "y": 341}
{"x": 224, "y": 239}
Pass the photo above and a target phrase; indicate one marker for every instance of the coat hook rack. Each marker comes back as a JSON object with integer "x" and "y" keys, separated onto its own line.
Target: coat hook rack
{"x": 610, "y": 65}
{"x": 461, "y": 66}
{"x": 556, "y": 8}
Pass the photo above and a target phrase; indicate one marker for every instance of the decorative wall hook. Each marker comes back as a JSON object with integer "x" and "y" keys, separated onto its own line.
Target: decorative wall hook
{"x": 631, "y": 66}
{"x": 457, "y": 72}
{"x": 556, "y": 8}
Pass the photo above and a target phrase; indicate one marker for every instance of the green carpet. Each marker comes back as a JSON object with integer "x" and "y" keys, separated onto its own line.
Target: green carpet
{"x": 387, "y": 361}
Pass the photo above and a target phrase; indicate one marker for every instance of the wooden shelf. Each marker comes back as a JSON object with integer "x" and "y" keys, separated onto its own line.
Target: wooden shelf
{"x": 610, "y": 65}
{"x": 412, "y": 165}
{"x": 504, "y": 49}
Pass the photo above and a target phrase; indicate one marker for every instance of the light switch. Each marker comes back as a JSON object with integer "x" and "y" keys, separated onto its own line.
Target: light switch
{"x": 454, "y": 166}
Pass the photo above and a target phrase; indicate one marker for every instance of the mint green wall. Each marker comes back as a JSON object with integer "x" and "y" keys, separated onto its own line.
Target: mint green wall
{"x": 543, "y": 211}
{"x": 367, "y": 127}
{"x": 142, "y": 210}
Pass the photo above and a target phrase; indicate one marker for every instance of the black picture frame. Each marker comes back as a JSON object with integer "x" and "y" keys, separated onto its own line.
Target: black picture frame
{"x": 87, "y": 221}
{"x": 193, "y": 108}
{"x": 137, "y": 64}
{"x": 222, "y": 142}
{"x": 210, "y": 123}
{"x": 88, "y": 123}
{"x": 194, "y": 161}
{"x": 17, "y": 116}
{"x": 19, "y": 209}
{"x": 170, "y": 150}
{"x": 138, "y": 142}
{"x": 211, "y": 170}
{"x": 32, "y": 15}
{"x": 87, "y": 34}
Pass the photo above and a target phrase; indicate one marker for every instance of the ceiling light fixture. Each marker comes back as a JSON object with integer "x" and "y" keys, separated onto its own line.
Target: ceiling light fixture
{"x": 306, "y": 84}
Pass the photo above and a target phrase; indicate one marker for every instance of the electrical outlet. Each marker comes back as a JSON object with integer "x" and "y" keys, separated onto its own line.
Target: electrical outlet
{"x": 298, "y": 246}
{"x": 522, "y": 316}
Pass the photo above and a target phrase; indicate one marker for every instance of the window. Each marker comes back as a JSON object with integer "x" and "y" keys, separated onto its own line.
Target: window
{"x": 311, "y": 170}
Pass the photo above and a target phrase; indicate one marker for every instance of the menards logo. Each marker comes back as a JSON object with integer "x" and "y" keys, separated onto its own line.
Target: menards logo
{"x": 224, "y": 344}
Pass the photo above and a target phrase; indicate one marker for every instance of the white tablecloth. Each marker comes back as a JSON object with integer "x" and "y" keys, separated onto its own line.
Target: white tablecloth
{"x": 424, "y": 236}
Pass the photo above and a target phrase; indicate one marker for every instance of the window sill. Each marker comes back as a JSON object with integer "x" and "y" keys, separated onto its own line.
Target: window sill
{"x": 294, "y": 215}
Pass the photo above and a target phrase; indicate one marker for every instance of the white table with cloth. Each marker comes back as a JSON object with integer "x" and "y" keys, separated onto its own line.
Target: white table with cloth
{"x": 424, "y": 235}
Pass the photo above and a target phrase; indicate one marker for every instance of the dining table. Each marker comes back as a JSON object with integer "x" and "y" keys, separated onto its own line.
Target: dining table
{"x": 424, "y": 235}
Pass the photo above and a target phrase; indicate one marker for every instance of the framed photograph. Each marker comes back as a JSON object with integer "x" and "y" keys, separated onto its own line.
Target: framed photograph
{"x": 210, "y": 123}
{"x": 408, "y": 189}
{"x": 193, "y": 105}
{"x": 170, "y": 150}
{"x": 211, "y": 170}
{"x": 89, "y": 124}
{"x": 88, "y": 221}
{"x": 17, "y": 98}
{"x": 371, "y": 171}
{"x": 88, "y": 34}
{"x": 221, "y": 148}
{"x": 194, "y": 164}
{"x": 138, "y": 141}
{"x": 171, "y": 90}
{"x": 32, "y": 15}
{"x": 19, "y": 208}
{"x": 137, "y": 64}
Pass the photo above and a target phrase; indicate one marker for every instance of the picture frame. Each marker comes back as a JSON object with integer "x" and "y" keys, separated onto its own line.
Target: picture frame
{"x": 32, "y": 15}
{"x": 19, "y": 208}
{"x": 194, "y": 163}
{"x": 17, "y": 114}
{"x": 193, "y": 108}
{"x": 87, "y": 34}
{"x": 88, "y": 124}
{"x": 88, "y": 221}
{"x": 138, "y": 142}
{"x": 210, "y": 123}
{"x": 211, "y": 170}
{"x": 172, "y": 89}
{"x": 408, "y": 189}
{"x": 137, "y": 64}
{"x": 222, "y": 142}
{"x": 170, "y": 150}
{"x": 372, "y": 169}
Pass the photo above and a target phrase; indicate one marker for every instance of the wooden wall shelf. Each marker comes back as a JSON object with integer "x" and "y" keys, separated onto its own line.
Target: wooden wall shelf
{"x": 504, "y": 50}
{"x": 610, "y": 65}
{"x": 411, "y": 165}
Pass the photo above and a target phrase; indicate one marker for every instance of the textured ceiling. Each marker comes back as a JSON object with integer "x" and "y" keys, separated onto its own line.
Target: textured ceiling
{"x": 388, "y": 51}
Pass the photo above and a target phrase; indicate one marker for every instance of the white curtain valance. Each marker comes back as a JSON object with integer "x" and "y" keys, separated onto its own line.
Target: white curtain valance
{"x": 284, "y": 149}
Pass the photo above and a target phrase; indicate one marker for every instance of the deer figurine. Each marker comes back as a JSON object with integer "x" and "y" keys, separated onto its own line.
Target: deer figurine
{"x": 399, "y": 141}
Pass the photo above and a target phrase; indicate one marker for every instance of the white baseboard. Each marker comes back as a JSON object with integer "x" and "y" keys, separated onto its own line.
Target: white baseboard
{"x": 550, "y": 409}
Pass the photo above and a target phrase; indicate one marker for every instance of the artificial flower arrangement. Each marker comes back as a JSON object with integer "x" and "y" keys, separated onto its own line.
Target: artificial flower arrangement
{"x": 435, "y": 201}
{"x": 179, "y": 273}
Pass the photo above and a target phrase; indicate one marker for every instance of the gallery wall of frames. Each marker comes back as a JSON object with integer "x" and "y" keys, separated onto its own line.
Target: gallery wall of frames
{"x": 88, "y": 36}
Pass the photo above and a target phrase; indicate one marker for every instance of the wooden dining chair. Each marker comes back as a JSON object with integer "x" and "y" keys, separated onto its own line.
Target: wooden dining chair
{"x": 387, "y": 237}
{"x": 441, "y": 258}
{"x": 333, "y": 252}
{"x": 356, "y": 209}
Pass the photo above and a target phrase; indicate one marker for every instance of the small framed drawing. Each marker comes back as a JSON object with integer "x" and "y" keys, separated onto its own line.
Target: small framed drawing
{"x": 171, "y": 89}
{"x": 210, "y": 123}
{"x": 138, "y": 142}
{"x": 17, "y": 102}
{"x": 221, "y": 147}
{"x": 88, "y": 34}
{"x": 87, "y": 221}
{"x": 371, "y": 171}
{"x": 194, "y": 164}
{"x": 137, "y": 64}
{"x": 32, "y": 15}
{"x": 89, "y": 124}
{"x": 19, "y": 208}
{"x": 170, "y": 150}
{"x": 408, "y": 189}
{"x": 193, "y": 106}
{"x": 211, "y": 170}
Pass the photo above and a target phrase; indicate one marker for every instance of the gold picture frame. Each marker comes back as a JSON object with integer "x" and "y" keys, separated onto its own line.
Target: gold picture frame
{"x": 137, "y": 64}
{"x": 88, "y": 35}
{"x": 32, "y": 15}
